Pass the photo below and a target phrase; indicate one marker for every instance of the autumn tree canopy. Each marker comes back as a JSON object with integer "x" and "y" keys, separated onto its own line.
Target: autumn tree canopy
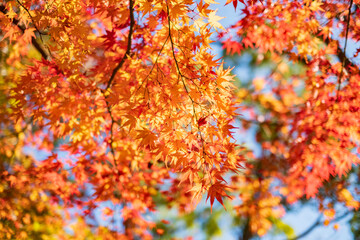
{"x": 115, "y": 108}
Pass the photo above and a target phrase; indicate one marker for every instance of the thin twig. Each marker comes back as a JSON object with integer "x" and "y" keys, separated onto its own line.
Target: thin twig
{"x": 183, "y": 82}
{"x": 155, "y": 63}
{"x": 317, "y": 223}
{"x": 177, "y": 64}
{"x": 346, "y": 40}
{"x": 116, "y": 69}
{"x": 128, "y": 50}
{"x": 32, "y": 20}
{"x": 22, "y": 28}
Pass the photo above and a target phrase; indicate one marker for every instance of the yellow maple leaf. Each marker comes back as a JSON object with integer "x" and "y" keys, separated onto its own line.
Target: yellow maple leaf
{"x": 211, "y": 2}
{"x": 213, "y": 20}
{"x": 315, "y": 6}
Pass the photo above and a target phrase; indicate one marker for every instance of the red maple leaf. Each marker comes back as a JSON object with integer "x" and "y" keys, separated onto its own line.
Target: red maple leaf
{"x": 202, "y": 121}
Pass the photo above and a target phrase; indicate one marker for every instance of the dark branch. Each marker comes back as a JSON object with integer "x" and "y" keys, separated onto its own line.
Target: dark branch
{"x": 37, "y": 46}
{"x": 344, "y": 53}
{"x": 341, "y": 55}
{"x": 317, "y": 223}
{"x": 128, "y": 50}
{"x": 116, "y": 69}
{"x": 31, "y": 17}
{"x": 246, "y": 233}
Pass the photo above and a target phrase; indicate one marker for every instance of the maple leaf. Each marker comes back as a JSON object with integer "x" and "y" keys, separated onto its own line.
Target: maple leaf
{"x": 211, "y": 2}
{"x": 316, "y": 6}
{"x": 110, "y": 38}
{"x": 213, "y": 20}
{"x": 108, "y": 211}
{"x": 28, "y": 35}
{"x": 235, "y": 2}
{"x": 202, "y": 121}
{"x": 217, "y": 190}
{"x": 10, "y": 33}
{"x": 11, "y": 14}
{"x": 232, "y": 47}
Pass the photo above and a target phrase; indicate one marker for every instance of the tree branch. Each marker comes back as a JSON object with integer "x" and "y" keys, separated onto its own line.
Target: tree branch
{"x": 22, "y": 28}
{"x": 317, "y": 223}
{"x": 246, "y": 233}
{"x": 116, "y": 69}
{"x": 128, "y": 50}
{"x": 31, "y": 17}
{"x": 344, "y": 57}
{"x": 183, "y": 81}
